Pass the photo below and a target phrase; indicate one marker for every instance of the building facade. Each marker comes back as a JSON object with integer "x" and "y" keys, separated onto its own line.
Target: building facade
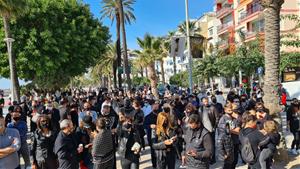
{"x": 246, "y": 16}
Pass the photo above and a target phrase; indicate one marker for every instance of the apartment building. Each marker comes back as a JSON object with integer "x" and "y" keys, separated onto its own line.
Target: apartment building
{"x": 247, "y": 16}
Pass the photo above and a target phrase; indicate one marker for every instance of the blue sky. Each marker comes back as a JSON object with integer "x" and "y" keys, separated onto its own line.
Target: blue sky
{"x": 156, "y": 17}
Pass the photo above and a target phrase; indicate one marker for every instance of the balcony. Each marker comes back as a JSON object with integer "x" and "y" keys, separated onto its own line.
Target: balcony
{"x": 253, "y": 34}
{"x": 250, "y": 12}
{"x": 224, "y": 27}
{"x": 223, "y": 44}
{"x": 224, "y": 11}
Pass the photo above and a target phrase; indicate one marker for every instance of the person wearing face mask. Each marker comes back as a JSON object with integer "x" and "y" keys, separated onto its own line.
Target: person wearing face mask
{"x": 129, "y": 144}
{"x": 163, "y": 142}
{"x": 21, "y": 126}
{"x": 210, "y": 119}
{"x": 33, "y": 113}
{"x": 218, "y": 106}
{"x": 147, "y": 108}
{"x": 233, "y": 119}
{"x": 111, "y": 123}
{"x": 9, "y": 146}
{"x": 54, "y": 116}
{"x": 103, "y": 156}
{"x": 66, "y": 146}
{"x": 87, "y": 112}
{"x": 149, "y": 125}
{"x": 42, "y": 145}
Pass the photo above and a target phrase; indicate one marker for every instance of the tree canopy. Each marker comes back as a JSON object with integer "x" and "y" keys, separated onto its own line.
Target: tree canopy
{"x": 55, "y": 41}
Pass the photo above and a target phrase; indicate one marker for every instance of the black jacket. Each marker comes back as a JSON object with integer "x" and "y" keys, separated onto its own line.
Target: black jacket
{"x": 201, "y": 141}
{"x": 213, "y": 114}
{"x": 126, "y": 141}
{"x": 159, "y": 146}
{"x": 66, "y": 149}
{"x": 255, "y": 137}
{"x": 42, "y": 147}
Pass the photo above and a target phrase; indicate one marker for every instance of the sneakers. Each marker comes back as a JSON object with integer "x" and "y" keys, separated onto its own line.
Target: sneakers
{"x": 298, "y": 151}
{"x": 294, "y": 152}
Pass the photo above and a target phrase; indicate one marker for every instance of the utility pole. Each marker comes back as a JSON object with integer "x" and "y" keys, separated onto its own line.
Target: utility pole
{"x": 189, "y": 46}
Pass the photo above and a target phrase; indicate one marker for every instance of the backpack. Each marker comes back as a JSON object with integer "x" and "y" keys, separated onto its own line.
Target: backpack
{"x": 246, "y": 150}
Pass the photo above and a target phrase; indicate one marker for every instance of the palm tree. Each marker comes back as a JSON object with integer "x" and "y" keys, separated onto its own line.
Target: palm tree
{"x": 194, "y": 30}
{"x": 149, "y": 53}
{"x": 123, "y": 6}
{"x": 105, "y": 65}
{"x": 272, "y": 51}
{"x": 9, "y": 9}
{"x": 110, "y": 9}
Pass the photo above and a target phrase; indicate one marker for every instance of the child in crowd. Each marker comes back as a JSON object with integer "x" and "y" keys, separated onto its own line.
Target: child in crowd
{"x": 268, "y": 145}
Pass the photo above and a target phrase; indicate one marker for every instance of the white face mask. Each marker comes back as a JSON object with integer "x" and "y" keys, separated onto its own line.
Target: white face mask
{"x": 50, "y": 108}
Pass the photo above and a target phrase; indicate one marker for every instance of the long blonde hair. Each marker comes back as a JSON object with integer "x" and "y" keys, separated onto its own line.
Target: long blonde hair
{"x": 270, "y": 126}
{"x": 161, "y": 118}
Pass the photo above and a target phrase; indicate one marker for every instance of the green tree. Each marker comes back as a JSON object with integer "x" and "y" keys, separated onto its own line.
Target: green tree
{"x": 271, "y": 52}
{"x": 56, "y": 40}
{"x": 177, "y": 79}
{"x": 8, "y": 10}
{"x": 110, "y": 9}
{"x": 149, "y": 53}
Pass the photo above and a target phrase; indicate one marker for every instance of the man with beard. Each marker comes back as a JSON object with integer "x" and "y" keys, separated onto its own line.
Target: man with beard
{"x": 149, "y": 124}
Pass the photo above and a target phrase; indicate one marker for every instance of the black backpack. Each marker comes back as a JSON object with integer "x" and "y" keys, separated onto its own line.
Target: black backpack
{"x": 247, "y": 152}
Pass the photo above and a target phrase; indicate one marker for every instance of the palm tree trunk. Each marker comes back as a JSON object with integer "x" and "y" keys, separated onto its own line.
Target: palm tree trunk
{"x": 162, "y": 71}
{"x": 174, "y": 64}
{"x": 142, "y": 71}
{"x": 153, "y": 79}
{"x": 146, "y": 72}
{"x": 12, "y": 63}
{"x": 272, "y": 53}
{"x": 125, "y": 56}
{"x": 118, "y": 46}
{"x": 115, "y": 65}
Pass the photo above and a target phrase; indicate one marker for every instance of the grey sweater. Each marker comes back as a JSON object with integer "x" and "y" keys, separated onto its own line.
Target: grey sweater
{"x": 103, "y": 147}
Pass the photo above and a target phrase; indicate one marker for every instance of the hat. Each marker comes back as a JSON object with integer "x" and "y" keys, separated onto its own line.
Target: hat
{"x": 87, "y": 121}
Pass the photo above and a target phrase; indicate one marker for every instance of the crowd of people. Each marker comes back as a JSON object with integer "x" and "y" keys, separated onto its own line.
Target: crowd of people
{"x": 88, "y": 129}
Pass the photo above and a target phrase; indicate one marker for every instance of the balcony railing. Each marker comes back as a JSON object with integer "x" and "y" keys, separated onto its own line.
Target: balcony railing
{"x": 224, "y": 11}
{"x": 250, "y": 12}
{"x": 223, "y": 44}
{"x": 225, "y": 26}
{"x": 252, "y": 34}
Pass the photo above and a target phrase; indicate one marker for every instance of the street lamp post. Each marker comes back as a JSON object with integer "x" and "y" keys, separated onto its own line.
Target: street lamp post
{"x": 189, "y": 45}
{"x": 9, "y": 42}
